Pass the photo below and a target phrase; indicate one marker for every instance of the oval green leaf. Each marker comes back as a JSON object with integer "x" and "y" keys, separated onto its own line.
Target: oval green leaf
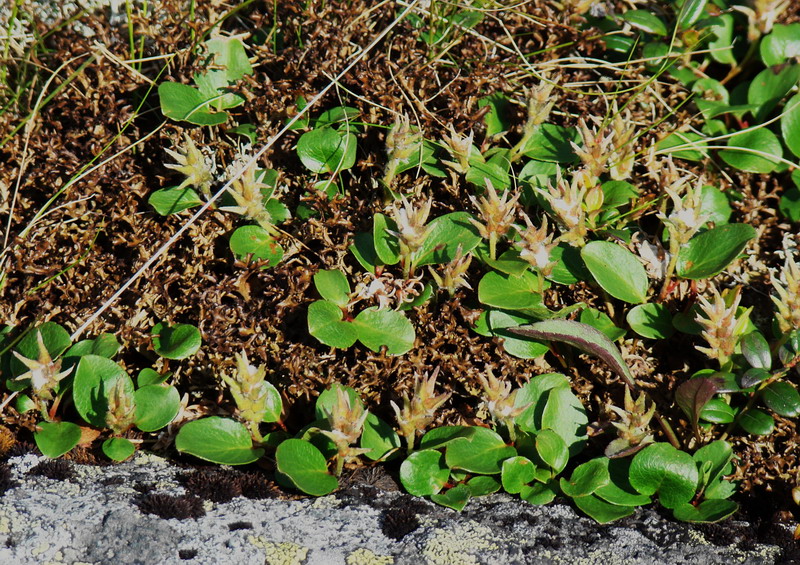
{"x": 257, "y": 241}
{"x": 95, "y": 378}
{"x": 455, "y": 498}
{"x": 156, "y": 406}
{"x": 54, "y": 439}
{"x": 333, "y": 286}
{"x": 710, "y": 252}
{"x": 446, "y": 234}
{"x": 306, "y": 467}
{"x": 424, "y": 472}
{"x": 516, "y": 472}
{"x": 176, "y": 342}
{"x": 324, "y": 150}
{"x": 757, "y": 422}
{"x": 379, "y": 438}
{"x": 377, "y": 328}
{"x": 586, "y": 478}
{"x": 782, "y": 398}
{"x": 652, "y": 321}
{"x": 184, "y": 103}
{"x": 118, "y": 448}
{"x": 325, "y": 323}
{"x": 755, "y": 151}
{"x": 790, "y": 124}
{"x": 708, "y": 511}
{"x": 220, "y": 440}
{"x": 482, "y": 453}
{"x": 663, "y": 469}
{"x": 508, "y": 292}
{"x": 616, "y": 270}
{"x": 601, "y": 511}
{"x": 173, "y": 200}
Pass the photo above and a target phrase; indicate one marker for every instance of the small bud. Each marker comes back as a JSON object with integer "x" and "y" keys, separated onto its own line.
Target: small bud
{"x": 536, "y": 245}
{"x": 121, "y": 414}
{"x": 454, "y": 274}
{"x": 198, "y": 169}
{"x": 633, "y": 426}
{"x": 787, "y": 297}
{"x": 721, "y": 328}
{"x": 44, "y": 372}
{"x": 251, "y": 194}
{"x": 418, "y": 411}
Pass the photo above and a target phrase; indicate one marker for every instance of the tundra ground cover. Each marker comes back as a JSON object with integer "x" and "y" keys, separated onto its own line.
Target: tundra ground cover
{"x": 542, "y": 248}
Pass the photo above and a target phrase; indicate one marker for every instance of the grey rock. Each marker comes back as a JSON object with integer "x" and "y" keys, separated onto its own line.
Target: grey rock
{"x": 94, "y": 518}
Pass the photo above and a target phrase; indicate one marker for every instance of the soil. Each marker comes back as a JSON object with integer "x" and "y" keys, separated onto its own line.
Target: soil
{"x": 102, "y": 229}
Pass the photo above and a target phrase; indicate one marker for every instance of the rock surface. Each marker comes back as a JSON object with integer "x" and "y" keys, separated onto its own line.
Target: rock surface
{"x": 84, "y": 514}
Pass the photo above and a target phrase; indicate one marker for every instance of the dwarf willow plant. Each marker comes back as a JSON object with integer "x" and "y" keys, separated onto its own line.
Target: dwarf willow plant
{"x": 47, "y": 368}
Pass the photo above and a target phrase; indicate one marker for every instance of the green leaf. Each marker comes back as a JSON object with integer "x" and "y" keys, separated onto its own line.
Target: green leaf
{"x": 333, "y": 286}
{"x": 601, "y": 511}
{"x": 483, "y": 485}
{"x": 616, "y": 270}
{"x": 176, "y": 342}
{"x": 516, "y": 472}
{"x": 714, "y": 205}
{"x": 324, "y": 150}
{"x": 258, "y": 241}
{"x": 385, "y": 244}
{"x": 95, "y": 378}
{"x": 229, "y": 53}
{"x": 769, "y": 87}
{"x": 790, "y": 124}
{"x": 663, "y": 469}
{"x": 173, "y": 200}
{"x": 379, "y": 437}
{"x": 717, "y": 411}
{"x": 754, "y": 151}
{"x": 690, "y": 12}
{"x": 691, "y": 146}
{"x": 757, "y": 422}
{"x": 337, "y": 115}
{"x": 156, "y": 406}
{"x": 481, "y": 174}
{"x": 220, "y": 440}
{"x": 104, "y": 345}
{"x": 751, "y": 377}
{"x": 619, "y": 490}
{"x": 710, "y": 252}
{"x": 552, "y": 143}
{"x": 305, "y": 466}
{"x": 184, "y": 103}
{"x": 148, "y": 376}
{"x": 482, "y": 453}
{"x": 566, "y": 416}
{"x": 552, "y": 449}
{"x": 721, "y": 46}
{"x": 781, "y": 45}
{"x": 424, "y": 472}
{"x": 586, "y": 478}
{"x": 652, "y": 321}
{"x": 756, "y": 350}
{"x": 707, "y": 512}
{"x": 376, "y": 328}
{"x": 539, "y": 493}
{"x": 782, "y": 398}
{"x": 712, "y": 460}
{"x": 509, "y": 262}
{"x": 437, "y": 438}
{"x": 363, "y": 249}
{"x": 582, "y": 336}
{"x": 54, "y": 439}
{"x": 446, "y": 234}
{"x": 325, "y": 323}
{"x": 510, "y": 293}
{"x": 533, "y": 394}
{"x": 569, "y": 266}
{"x": 645, "y": 21}
{"x": 496, "y": 119}
{"x": 118, "y": 448}
{"x": 600, "y": 320}
{"x": 455, "y": 498}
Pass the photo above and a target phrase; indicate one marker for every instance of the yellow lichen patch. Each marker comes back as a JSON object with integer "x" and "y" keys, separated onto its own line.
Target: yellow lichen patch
{"x": 364, "y": 556}
{"x": 284, "y": 553}
{"x": 458, "y": 544}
